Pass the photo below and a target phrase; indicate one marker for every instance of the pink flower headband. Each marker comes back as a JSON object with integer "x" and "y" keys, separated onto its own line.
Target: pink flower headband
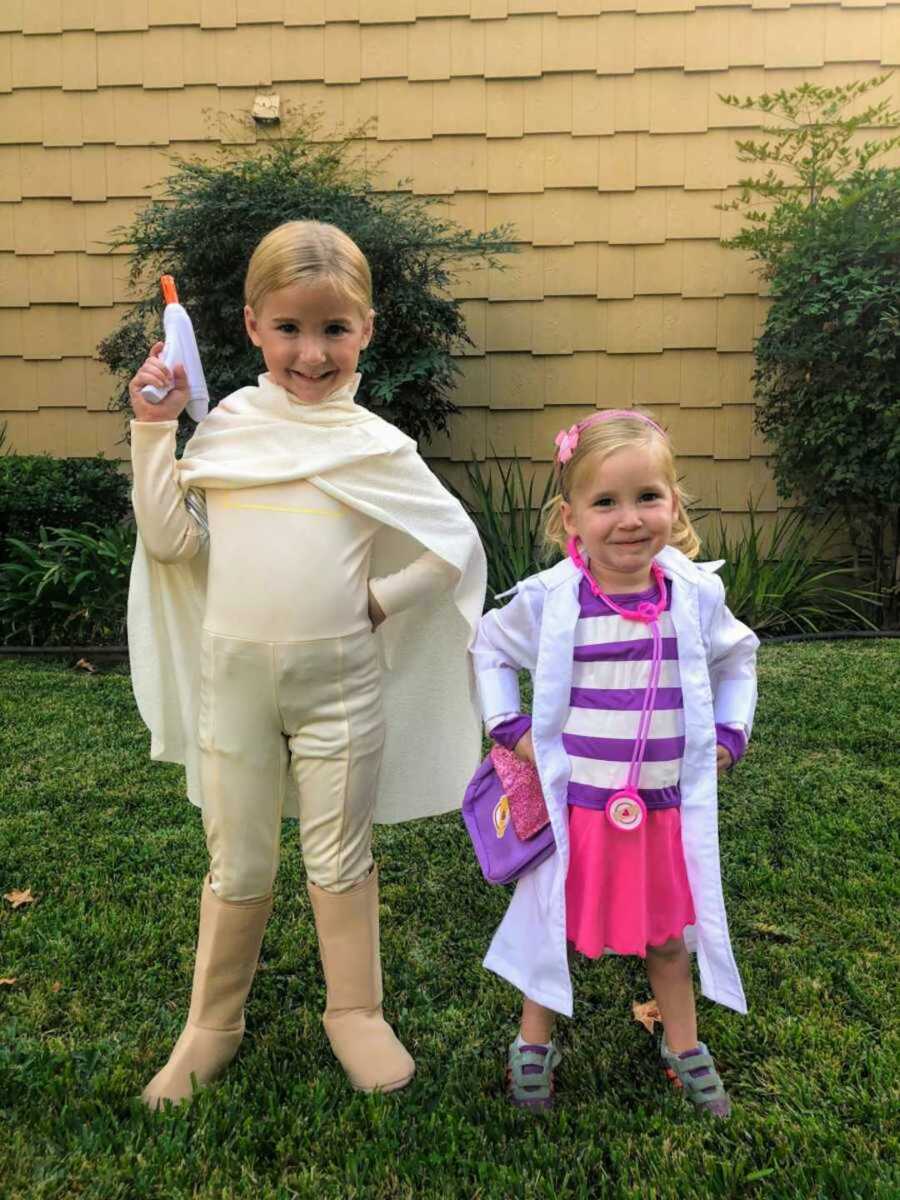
{"x": 567, "y": 439}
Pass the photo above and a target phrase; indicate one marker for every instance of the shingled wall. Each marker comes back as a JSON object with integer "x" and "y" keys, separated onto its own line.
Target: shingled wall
{"x": 595, "y": 128}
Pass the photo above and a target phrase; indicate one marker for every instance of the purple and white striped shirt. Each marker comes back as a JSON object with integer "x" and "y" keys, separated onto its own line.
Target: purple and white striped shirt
{"x": 609, "y": 679}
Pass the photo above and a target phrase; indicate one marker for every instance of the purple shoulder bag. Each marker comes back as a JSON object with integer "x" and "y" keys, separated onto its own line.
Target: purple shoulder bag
{"x": 507, "y": 821}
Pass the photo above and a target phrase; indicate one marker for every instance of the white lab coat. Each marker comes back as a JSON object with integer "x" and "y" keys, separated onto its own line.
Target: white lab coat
{"x": 717, "y": 653}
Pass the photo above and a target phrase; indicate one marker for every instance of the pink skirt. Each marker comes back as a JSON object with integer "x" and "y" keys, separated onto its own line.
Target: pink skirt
{"x": 625, "y": 891}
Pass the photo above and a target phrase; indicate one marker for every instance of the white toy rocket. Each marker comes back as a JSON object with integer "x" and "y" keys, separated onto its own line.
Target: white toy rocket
{"x": 180, "y": 347}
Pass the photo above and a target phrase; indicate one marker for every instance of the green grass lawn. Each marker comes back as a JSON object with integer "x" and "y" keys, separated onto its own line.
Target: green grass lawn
{"x": 103, "y": 960}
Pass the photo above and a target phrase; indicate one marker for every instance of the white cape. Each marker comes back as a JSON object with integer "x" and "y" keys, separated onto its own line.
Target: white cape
{"x": 258, "y": 435}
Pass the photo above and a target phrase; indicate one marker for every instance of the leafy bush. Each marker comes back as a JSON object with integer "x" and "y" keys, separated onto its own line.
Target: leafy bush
{"x": 827, "y": 238}
{"x": 508, "y": 519}
{"x": 204, "y": 231}
{"x": 39, "y": 491}
{"x": 782, "y": 583}
{"x": 70, "y": 587}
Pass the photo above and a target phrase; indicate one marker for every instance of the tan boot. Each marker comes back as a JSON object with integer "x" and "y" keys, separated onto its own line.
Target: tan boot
{"x": 228, "y": 945}
{"x": 363, "y": 1042}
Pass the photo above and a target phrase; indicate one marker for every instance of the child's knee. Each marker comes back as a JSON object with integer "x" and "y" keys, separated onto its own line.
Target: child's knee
{"x": 668, "y": 951}
{"x": 235, "y": 886}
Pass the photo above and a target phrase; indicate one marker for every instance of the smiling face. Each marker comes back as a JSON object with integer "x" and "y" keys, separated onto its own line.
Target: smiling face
{"x": 621, "y": 510}
{"x": 311, "y": 336}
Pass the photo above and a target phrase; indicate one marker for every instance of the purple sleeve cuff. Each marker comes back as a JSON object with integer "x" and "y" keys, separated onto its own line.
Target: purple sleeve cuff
{"x": 508, "y": 733}
{"x": 733, "y": 740}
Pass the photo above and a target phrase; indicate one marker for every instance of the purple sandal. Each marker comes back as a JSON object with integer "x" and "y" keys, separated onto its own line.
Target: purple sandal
{"x": 529, "y": 1075}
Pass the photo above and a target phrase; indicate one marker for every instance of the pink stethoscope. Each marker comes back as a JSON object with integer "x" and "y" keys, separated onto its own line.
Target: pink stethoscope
{"x": 625, "y": 809}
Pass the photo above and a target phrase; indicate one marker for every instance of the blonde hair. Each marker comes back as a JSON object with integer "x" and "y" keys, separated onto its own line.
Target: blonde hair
{"x": 308, "y": 252}
{"x": 597, "y": 442}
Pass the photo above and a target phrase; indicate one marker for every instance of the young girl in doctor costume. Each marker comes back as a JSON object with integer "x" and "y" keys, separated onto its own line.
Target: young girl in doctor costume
{"x": 295, "y": 523}
{"x": 643, "y": 682}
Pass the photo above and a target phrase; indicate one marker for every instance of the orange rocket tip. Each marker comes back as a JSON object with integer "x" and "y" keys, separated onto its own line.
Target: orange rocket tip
{"x": 167, "y": 283}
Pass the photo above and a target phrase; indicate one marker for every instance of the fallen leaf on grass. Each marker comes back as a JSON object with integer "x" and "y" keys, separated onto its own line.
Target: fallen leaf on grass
{"x": 648, "y": 1014}
{"x": 56, "y": 986}
{"x": 84, "y": 665}
{"x": 17, "y": 898}
{"x": 8, "y": 982}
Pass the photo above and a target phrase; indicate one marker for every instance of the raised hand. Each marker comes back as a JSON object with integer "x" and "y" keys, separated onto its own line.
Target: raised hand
{"x": 153, "y": 371}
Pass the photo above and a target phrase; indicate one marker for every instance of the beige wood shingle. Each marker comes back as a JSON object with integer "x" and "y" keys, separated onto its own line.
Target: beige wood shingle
{"x": 244, "y": 56}
{"x": 95, "y": 280}
{"x": 120, "y": 59}
{"x": 733, "y": 431}
{"x": 97, "y": 117}
{"x": 121, "y": 14}
{"x": 467, "y": 42}
{"x": 736, "y": 323}
{"x": 512, "y": 48}
{"x": 342, "y": 54}
{"x": 260, "y": 12}
{"x": 79, "y": 61}
{"x": 548, "y": 105}
{"x": 660, "y": 160}
{"x": 174, "y": 12}
{"x": 193, "y": 114}
{"x": 383, "y": 51}
{"x": 700, "y": 379}
{"x": 442, "y": 8}
{"x": 100, "y": 220}
{"x": 429, "y": 54}
{"x": 141, "y": 118}
{"x": 617, "y": 163}
{"x": 571, "y": 162}
{"x": 570, "y": 271}
{"x": 554, "y": 218}
{"x": 43, "y": 16}
{"x": 522, "y": 278}
{"x": 615, "y": 380}
{"x": 746, "y": 38}
{"x": 218, "y": 14}
{"x": 14, "y": 280}
{"x": 890, "y": 36}
{"x": 11, "y": 331}
{"x": 679, "y": 103}
{"x": 853, "y": 35}
{"x": 508, "y": 434}
{"x": 569, "y": 45}
{"x": 631, "y": 102}
{"x": 45, "y": 172}
{"x": 20, "y": 393}
{"x": 460, "y": 106}
{"x": 659, "y": 269}
{"x": 657, "y": 379}
{"x": 78, "y": 14}
{"x": 569, "y": 377}
{"x": 516, "y": 210}
{"x": 200, "y": 66}
{"x": 659, "y": 41}
{"x": 703, "y": 264}
{"x": 45, "y": 226}
{"x": 795, "y": 38}
{"x": 505, "y": 108}
{"x": 516, "y": 381}
{"x": 635, "y": 326}
{"x": 706, "y": 36}
{"x": 10, "y": 174}
{"x": 405, "y": 110}
{"x": 508, "y": 325}
{"x": 516, "y": 165}
{"x": 53, "y": 279}
{"x": 298, "y": 54}
{"x": 163, "y": 58}
{"x": 374, "y": 11}
{"x": 488, "y": 10}
{"x": 616, "y": 44}
{"x": 692, "y": 214}
{"x": 593, "y": 105}
{"x": 615, "y": 272}
{"x": 638, "y": 218}
{"x": 689, "y": 324}
{"x": 11, "y": 16}
{"x": 36, "y": 61}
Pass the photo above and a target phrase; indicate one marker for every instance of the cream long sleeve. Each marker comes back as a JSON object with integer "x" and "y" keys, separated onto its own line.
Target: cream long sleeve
{"x": 428, "y": 576}
{"x": 168, "y": 530}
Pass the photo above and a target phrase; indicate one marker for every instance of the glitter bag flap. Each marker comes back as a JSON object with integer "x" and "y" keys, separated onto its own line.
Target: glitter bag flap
{"x": 527, "y": 809}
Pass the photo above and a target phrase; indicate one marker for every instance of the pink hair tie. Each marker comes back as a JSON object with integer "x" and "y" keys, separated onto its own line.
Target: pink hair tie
{"x": 566, "y": 440}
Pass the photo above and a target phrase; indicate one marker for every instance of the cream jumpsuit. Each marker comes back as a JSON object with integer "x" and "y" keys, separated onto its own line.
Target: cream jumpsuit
{"x": 290, "y": 679}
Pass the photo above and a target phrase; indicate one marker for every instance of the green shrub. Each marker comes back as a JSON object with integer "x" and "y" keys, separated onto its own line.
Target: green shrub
{"x": 781, "y": 582}
{"x": 39, "y": 491}
{"x": 68, "y": 588}
{"x": 826, "y": 233}
{"x": 204, "y": 231}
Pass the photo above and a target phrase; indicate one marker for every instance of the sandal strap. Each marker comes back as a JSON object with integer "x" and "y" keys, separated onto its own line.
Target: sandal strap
{"x": 531, "y": 1071}
{"x": 700, "y": 1088}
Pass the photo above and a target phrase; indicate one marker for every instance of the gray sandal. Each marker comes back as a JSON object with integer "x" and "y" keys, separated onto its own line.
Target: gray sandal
{"x": 529, "y": 1075}
{"x": 695, "y": 1072}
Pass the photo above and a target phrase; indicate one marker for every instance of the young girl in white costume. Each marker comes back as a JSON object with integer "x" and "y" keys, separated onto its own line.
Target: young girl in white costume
{"x": 294, "y": 524}
{"x": 644, "y": 683}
